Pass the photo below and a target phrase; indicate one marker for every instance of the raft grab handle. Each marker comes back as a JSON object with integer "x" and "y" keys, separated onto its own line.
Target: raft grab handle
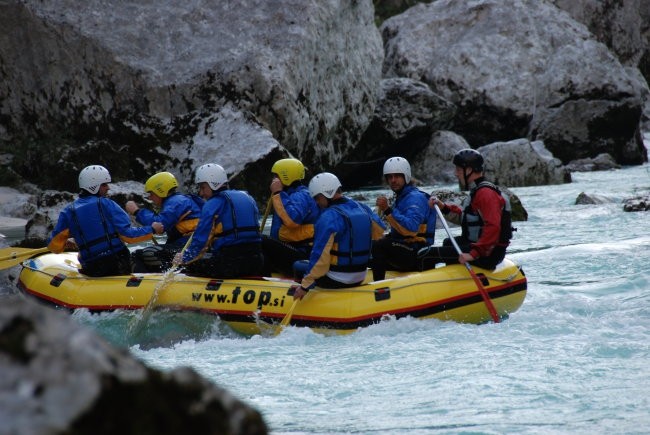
{"x": 382, "y": 294}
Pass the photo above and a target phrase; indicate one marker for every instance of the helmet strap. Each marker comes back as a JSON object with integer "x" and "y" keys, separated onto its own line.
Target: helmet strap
{"x": 466, "y": 176}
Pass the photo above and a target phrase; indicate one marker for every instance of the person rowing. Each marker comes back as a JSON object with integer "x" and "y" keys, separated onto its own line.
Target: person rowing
{"x": 227, "y": 241}
{"x": 485, "y": 219}
{"x": 178, "y": 214}
{"x": 294, "y": 214}
{"x": 412, "y": 222}
{"x": 98, "y": 227}
{"x": 342, "y": 238}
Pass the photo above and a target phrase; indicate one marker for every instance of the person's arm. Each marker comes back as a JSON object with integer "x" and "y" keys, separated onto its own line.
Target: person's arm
{"x": 293, "y": 208}
{"x": 209, "y": 215}
{"x": 451, "y": 211}
{"x": 170, "y": 213}
{"x": 319, "y": 259}
{"x": 319, "y": 264}
{"x": 407, "y": 218}
{"x": 122, "y": 223}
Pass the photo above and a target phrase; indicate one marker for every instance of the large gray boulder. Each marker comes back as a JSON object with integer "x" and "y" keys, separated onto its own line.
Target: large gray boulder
{"x": 406, "y": 115}
{"x": 172, "y": 84}
{"x": 58, "y": 377}
{"x": 624, "y": 26}
{"x": 520, "y": 162}
{"x": 520, "y": 68}
{"x": 434, "y": 164}
{"x": 601, "y": 162}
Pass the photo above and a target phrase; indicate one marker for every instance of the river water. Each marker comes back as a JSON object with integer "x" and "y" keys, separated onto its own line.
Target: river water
{"x": 575, "y": 358}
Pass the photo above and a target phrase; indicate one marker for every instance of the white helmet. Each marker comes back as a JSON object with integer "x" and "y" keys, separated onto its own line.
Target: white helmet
{"x": 324, "y": 183}
{"x": 398, "y": 165}
{"x": 212, "y": 174}
{"x": 91, "y": 177}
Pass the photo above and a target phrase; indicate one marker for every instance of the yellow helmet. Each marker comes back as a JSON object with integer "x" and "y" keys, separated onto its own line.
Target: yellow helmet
{"x": 161, "y": 183}
{"x": 289, "y": 170}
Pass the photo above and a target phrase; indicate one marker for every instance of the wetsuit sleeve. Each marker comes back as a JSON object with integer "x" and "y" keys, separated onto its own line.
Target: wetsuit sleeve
{"x": 291, "y": 209}
{"x": 320, "y": 257}
{"x": 319, "y": 264}
{"x": 452, "y": 213}
{"x": 145, "y": 216}
{"x": 122, "y": 223}
{"x": 201, "y": 236}
{"x": 488, "y": 204}
{"x": 406, "y": 219}
{"x": 172, "y": 209}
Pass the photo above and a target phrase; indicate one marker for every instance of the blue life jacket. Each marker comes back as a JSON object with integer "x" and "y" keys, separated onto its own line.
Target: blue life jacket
{"x": 93, "y": 229}
{"x": 351, "y": 249}
{"x": 237, "y": 219}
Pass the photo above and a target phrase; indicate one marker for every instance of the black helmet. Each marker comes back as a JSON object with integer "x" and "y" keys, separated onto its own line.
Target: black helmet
{"x": 469, "y": 158}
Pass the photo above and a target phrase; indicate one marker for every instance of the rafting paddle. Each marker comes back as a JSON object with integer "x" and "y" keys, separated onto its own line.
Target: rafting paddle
{"x": 287, "y": 318}
{"x": 166, "y": 279}
{"x": 486, "y": 298}
{"x": 10, "y": 257}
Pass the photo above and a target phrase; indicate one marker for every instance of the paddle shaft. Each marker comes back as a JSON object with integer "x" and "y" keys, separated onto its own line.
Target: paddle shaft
{"x": 13, "y": 256}
{"x": 484, "y": 294}
{"x": 266, "y": 213}
{"x": 137, "y": 322}
{"x": 170, "y": 272}
{"x": 287, "y": 318}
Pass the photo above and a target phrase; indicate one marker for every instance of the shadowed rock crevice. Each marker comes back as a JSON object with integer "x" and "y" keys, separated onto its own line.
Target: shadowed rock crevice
{"x": 13, "y": 336}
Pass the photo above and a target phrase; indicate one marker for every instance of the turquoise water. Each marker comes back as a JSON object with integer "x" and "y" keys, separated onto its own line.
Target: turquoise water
{"x": 574, "y": 359}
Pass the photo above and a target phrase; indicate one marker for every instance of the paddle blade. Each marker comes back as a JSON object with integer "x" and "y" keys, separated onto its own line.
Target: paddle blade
{"x": 10, "y": 257}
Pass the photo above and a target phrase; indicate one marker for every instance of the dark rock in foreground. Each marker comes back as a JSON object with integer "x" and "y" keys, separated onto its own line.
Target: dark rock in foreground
{"x": 58, "y": 377}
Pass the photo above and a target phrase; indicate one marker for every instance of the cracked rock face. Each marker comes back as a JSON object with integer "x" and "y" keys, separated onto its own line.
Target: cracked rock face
{"x": 58, "y": 377}
{"x": 144, "y": 80}
{"x": 520, "y": 69}
{"x": 624, "y": 26}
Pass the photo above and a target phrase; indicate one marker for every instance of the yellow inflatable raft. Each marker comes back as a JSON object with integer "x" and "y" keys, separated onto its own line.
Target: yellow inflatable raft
{"x": 249, "y": 306}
